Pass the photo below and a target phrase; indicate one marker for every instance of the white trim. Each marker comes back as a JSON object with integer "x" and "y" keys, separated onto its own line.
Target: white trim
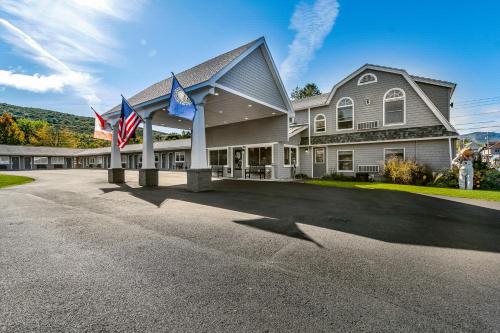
{"x": 337, "y": 114}
{"x": 34, "y": 161}
{"x": 408, "y": 78}
{"x": 404, "y": 153}
{"x": 52, "y": 161}
{"x": 8, "y": 160}
{"x": 324, "y": 155}
{"x": 384, "y": 99}
{"x": 362, "y": 76}
{"x": 309, "y": 124}
{"x": 384, "y": 141}
{"x": 218, "y": 148}
{"x": 296, "y": 155}
{"x": 352, "y": 152}
{"x": 433, "y": 82}
{"x": 235, "y": 92}
{"x": 314, "y": 122}
{"x": 450, "y": 151}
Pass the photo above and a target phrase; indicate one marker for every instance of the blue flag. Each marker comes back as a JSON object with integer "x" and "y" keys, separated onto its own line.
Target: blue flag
{"x": 181, "y": 105}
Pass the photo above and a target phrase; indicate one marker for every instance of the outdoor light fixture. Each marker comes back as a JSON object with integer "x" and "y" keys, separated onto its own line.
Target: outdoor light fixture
{"x": 249, "y": 105}
{"x": 246, "y": 118}
{"x": 216, "y": 94}
{"x": 221, "y": 112}
{"x": 307, "y": 150}
{"x": 273, "y": 113}
{"x": 179, "y": 120}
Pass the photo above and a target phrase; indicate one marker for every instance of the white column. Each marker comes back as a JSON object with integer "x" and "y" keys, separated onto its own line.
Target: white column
{"x": 116, "y": 161}
{"x": 198, "y": 141}
{"x": 148, "y": 153}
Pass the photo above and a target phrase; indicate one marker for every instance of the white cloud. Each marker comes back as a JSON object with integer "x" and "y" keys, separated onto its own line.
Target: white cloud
{"x": 143, "y": 41}
{"x": 312, "y": 23}
{"x": 151, "y": 53}
{"x": 65, "y": 37}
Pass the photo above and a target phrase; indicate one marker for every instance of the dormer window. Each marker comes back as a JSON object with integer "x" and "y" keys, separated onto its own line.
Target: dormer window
{"x": 367, "y": 79}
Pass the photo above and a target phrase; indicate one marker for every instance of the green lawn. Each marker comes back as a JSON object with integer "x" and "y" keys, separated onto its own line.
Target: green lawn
{"x": 449, "y": 192}
{"x": 10, "y": 180}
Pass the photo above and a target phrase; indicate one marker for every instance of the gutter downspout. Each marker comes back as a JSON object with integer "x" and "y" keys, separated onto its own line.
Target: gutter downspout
{"x": 450, "y": 150}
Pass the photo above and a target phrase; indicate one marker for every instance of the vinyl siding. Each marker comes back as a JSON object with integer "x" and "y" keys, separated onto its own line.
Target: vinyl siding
{"x": 253, "y": 77}
{"x": 432, "y": 153}
{"x": 305, "y": 159}
{"x": 439, "y": 95}
{"x": 417, "y": 112}
{"x": 301, "y": 117}
{"x": 266, "y": 130}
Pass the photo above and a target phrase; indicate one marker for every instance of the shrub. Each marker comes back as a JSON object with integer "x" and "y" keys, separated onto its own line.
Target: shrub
{"x": 406, "y": 172}
{"x": 301, "y": 176}
{"x": 487, "y": 179}
{"x": 338, "y": 176}
{"x": 446, "y": 178}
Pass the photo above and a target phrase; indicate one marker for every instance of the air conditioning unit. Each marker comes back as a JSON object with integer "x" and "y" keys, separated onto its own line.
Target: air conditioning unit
{"x": 375, "y": 168}
{"x": 368, "y": 125}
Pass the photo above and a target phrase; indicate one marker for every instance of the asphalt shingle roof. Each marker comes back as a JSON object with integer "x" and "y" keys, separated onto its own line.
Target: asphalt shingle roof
{"x": 193, "y": 76}
{"x": 55, "y": 151}
{"x": 310, "y": 102}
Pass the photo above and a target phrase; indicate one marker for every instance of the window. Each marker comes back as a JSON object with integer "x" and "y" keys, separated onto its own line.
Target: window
{"x": 218, "y": 157}
{"x": 394, "y": 107}
{"x": 345, "y": 160}
{"x": 57, "y": 160}
{"x": 4, "y": 160}
{"x": 319, "y": 155}
{"x": 290, "y": 156}
{"x": 260, "y": 156}
{"x": 398, "y": 153}
{"x": 367, "y": 79}
{"x": 124, "y": 161}
{"x": 320, "y": 123}
{"x": 345, "y": 111}
{"x": 179, "y": 157}
{"x": 40, "y": 160}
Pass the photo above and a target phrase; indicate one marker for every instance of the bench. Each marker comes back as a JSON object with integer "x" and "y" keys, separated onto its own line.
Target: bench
{"x": 255, "y": 170}
{"x": 218, "y": 170}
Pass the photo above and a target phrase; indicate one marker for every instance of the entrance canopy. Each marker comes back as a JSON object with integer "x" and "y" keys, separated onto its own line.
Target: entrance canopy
{"x": 237, "y": 86}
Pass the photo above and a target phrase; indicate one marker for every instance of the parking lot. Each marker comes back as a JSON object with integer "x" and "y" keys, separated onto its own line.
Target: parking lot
{"x": 79, "y": 254}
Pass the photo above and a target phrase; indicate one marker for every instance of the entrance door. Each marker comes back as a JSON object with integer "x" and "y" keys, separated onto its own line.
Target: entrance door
{"x": 163, "y": 161}
{"x": 238, "y": 163}
{"x": 319, "y": 165}
{"x": 170, "y": 160}
{"x": 69, "y": 165}
{"x": 15, "y": 162}
{"x": 27, "y": 163}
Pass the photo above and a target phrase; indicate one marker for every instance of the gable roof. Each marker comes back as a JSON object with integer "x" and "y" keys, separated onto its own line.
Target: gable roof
{"x": 310, "y": 102}
{"x": 209, "y": 70}
{"x": 411, "y": 80}
{"x": 14, "y": 150}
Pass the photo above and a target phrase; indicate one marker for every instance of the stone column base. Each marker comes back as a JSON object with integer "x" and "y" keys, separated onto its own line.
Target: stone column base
{"x": 199, "y": 180}
{"x": 148, "y": 177}
{"x": 116, "y": 176}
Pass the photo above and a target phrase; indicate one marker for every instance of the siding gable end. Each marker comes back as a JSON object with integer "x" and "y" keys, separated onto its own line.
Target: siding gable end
{"x": 252, "y": 77}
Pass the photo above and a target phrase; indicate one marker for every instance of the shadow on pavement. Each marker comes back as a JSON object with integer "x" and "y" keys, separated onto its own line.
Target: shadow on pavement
{"x": 389, "y": 216}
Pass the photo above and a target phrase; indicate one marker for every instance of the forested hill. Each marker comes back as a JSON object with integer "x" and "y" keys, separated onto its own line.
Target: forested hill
{"x": 77, "y": 124}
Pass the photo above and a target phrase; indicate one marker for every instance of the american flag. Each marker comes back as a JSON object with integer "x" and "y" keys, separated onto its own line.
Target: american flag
{"x": 129, "y": 120}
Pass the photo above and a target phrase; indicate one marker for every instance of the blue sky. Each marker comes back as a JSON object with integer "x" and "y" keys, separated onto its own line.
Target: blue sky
{"x": 69, "y": 54}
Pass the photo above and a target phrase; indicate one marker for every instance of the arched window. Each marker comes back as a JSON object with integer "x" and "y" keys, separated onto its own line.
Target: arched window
{"x": 367, "y": 79}
{"x": 320, "y": 123}
{"x": 345, "y": 114}
{"x": 394, "y": 107}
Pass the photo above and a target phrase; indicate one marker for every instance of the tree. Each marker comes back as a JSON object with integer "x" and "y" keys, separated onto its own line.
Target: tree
{"x": 10, "y": 133}
{"x": 310, "y": 89}
{"x": 36, "y": 132}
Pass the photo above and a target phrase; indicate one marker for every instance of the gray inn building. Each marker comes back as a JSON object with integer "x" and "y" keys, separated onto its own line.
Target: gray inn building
{"x": 247, "y": 127}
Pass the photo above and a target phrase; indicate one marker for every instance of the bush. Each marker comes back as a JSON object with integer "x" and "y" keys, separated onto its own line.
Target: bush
{"x": 406, "y": 172}
{"x": 338, "y": 176}
{"x": 487, "y": 179}
{"x": 446, "y": 178}
{"x": 301, "y": 176}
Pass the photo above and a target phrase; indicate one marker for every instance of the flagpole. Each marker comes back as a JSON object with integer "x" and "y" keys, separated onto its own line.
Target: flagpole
{"x": 126, "y": 101}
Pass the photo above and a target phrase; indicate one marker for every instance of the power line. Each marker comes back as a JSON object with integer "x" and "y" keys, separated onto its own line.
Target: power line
{"x": 477, "y": 122}
{"x": 473, "y": 106}
{"x": 476, "y": 100}
{"x": 476, "y": 114}
{"x": 480, "y": 127}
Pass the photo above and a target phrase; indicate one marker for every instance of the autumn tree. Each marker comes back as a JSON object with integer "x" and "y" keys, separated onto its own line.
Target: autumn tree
{"x": 10, "y": 133}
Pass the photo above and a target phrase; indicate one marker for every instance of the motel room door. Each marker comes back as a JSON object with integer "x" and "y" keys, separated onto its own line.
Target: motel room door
{"x": 27, "y": 162}
{"x": 170, "y": 161}
{"x": 238, "y": 163}
{"x": 319, "y": 162}
{"x": 15, "y": 162}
